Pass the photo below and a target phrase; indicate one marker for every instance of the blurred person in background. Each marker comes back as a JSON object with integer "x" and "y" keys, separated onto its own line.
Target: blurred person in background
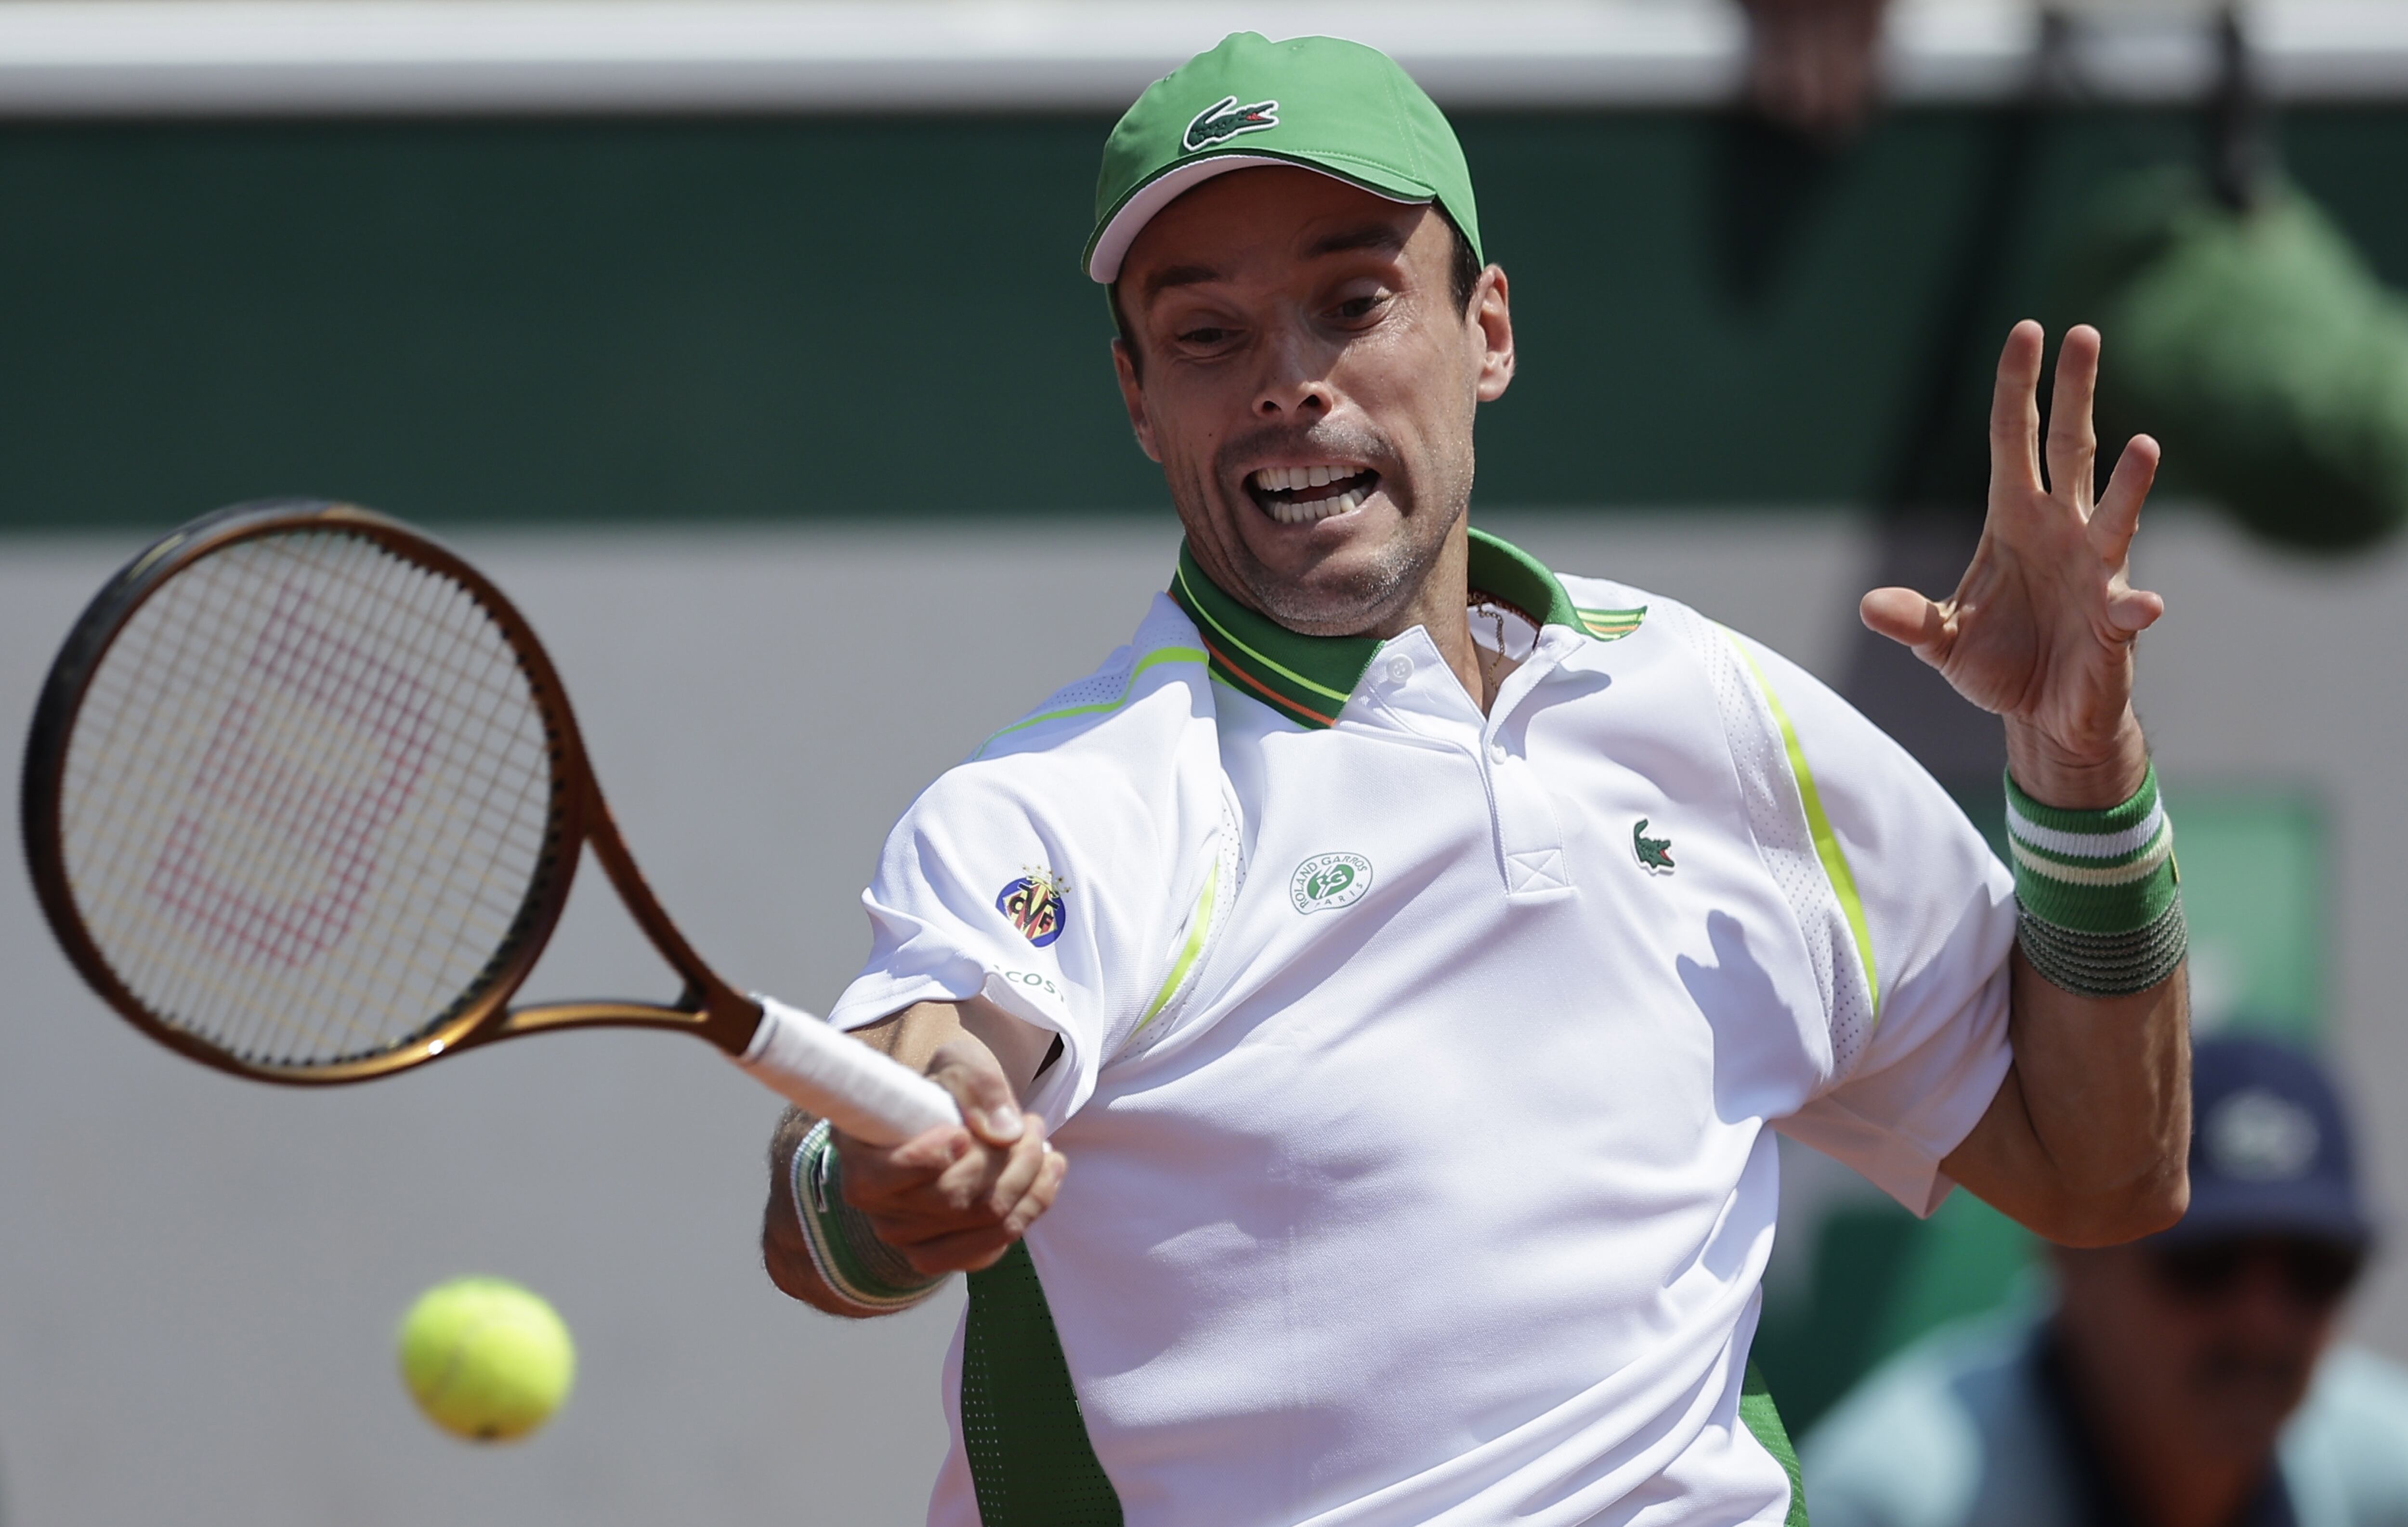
{"x": 1813, "y": 65}
{"x": 2188, "y": 1379}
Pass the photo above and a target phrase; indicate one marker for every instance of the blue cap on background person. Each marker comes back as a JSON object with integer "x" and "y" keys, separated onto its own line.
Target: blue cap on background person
{"x": 2269, "y": 1149}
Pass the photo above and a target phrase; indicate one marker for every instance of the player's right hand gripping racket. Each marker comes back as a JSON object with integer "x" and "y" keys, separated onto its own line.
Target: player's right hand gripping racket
{"x": 304, "y": 798}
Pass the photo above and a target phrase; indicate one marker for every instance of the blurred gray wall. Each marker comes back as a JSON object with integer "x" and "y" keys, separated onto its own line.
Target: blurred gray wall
{"x": 199, "y": 1277}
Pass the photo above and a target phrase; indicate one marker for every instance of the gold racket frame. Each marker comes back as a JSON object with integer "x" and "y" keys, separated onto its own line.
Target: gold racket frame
{"x": 709, "y": 1007}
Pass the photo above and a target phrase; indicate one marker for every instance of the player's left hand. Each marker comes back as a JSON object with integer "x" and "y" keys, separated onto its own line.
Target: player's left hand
{"x": 2041, "y": 628}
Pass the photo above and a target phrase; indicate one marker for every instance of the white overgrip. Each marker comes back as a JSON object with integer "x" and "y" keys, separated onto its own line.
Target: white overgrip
{"x": 844, "y": 1082}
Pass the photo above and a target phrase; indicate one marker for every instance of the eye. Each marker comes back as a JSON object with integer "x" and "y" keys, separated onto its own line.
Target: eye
{"x": 1356, "y": 309}
{"x": 1203, "y": 338}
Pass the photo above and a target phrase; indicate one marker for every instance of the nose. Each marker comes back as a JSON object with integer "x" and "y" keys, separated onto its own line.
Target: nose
{"x": 1300, "y": 401}
{"x": 1295, "y": 389}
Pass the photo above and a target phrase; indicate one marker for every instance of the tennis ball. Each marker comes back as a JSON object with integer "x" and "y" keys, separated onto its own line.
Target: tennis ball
{"x": 486, "y": 1359}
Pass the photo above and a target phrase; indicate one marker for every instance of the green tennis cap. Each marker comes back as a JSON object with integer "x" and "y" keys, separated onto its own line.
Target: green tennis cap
{"x": 1322, "y": 103}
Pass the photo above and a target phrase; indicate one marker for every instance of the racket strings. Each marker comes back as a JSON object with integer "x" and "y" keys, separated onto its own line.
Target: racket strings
{"x": 386, "y": 692}
{"x": 332, "y": 823}
{"x": 179, "y": 669}
{"x": 499, "y": 771}
{"x": 446, "y": 625}
{"x": 272, "y": 778}
{"x": 308, "y": 795}
{"x": 238, "y": 768}
{"x": 235, "y": 852}
{"x": 365, "y": 798}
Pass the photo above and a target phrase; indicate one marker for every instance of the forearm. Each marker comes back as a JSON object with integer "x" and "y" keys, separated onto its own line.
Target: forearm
{"x": 2088, "y": 1138}
{"x": 2095, "y": 1124}
{"x": 915, "y": 1034}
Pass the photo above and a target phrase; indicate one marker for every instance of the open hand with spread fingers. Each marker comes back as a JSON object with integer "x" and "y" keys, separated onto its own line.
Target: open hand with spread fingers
{"x": 2041, "y": 628}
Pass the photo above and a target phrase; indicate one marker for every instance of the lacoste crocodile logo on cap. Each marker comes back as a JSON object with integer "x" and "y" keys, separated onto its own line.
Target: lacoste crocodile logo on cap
{"x": 1224, "y": 119}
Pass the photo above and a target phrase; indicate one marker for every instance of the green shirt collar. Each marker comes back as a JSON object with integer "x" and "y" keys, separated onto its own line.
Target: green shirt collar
{"x": 1308, "y": 679}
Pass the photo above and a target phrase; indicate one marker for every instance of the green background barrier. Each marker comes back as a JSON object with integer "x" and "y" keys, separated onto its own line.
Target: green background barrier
{"x": 556, "y": 320}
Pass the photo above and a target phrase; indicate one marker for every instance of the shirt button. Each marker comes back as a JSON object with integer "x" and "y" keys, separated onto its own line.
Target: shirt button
{"x": 1399, "y": 669}
{"x": 1496, "y": 752}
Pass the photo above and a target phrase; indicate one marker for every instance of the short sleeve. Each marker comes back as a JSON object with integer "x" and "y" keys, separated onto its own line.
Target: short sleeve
{"x": 1927, "y": 919}
{"x": 1054, "y": 876}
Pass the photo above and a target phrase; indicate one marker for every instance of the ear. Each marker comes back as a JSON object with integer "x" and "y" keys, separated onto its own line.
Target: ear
{"x": 1133, "y": 399}
{"x": 1492, "y": 331}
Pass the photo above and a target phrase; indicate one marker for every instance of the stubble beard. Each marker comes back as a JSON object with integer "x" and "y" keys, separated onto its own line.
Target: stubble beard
{"x": 1362, "y": 596}
{"x": 1344, "y": 603}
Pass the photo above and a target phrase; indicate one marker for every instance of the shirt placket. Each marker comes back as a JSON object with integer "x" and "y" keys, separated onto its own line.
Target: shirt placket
{"x": 1428, "y": 699}
{"x": 1529, "y": 835}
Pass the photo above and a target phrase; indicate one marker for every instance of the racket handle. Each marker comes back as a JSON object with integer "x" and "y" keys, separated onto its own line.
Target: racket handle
{"x": 853, "y": 1087}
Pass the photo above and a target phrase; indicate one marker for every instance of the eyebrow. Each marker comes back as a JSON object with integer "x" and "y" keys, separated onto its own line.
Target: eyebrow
{"x": 1383, "y": 238}
{"x": 1170, "y": 275}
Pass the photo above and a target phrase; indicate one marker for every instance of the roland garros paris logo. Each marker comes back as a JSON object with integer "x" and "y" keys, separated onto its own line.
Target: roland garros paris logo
{"x": 1327, "y": 882}
{"x": 1224, "y": 119}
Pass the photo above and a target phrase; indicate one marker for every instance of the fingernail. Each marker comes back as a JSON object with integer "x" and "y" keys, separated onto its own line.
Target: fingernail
{"x": 1005, "y": 1121}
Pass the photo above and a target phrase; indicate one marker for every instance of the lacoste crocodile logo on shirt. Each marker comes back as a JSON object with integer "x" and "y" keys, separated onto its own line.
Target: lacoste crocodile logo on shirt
{"x": 1224, "y": 119}
{"x": 1654, "y": 853}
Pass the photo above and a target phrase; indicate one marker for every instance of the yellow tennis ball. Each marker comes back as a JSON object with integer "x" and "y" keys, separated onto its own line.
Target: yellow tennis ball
{"x": 486, "y": 1359}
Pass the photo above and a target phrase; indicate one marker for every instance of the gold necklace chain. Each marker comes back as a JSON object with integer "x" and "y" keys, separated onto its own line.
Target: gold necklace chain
{"x": 1497, "y": 655}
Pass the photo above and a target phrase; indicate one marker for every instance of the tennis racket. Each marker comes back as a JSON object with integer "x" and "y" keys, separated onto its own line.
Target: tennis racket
{"x": 303, "y": 801}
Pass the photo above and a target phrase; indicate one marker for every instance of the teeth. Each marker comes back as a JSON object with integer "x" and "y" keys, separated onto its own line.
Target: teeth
{"x": 1319, "y": 509}
{"x": 1288, "y": 480}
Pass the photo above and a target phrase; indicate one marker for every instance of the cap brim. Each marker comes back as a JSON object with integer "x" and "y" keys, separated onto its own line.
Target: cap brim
{"x": 1119, "y": 230}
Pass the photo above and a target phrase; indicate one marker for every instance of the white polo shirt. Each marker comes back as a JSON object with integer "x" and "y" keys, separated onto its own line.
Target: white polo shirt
{"x": 1419, "y": 1065}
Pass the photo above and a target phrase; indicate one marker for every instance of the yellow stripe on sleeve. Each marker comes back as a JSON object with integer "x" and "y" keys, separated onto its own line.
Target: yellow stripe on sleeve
{"x": 1818, "y": 825}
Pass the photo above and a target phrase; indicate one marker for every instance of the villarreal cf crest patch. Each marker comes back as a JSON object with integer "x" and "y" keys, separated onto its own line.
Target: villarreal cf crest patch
{"x": 1034, "y": 904}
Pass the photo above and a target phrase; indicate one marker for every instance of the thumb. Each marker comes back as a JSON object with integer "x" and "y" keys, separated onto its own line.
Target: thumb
{"x": 1904, "y": 617}
{"x": 970, "y": 1071}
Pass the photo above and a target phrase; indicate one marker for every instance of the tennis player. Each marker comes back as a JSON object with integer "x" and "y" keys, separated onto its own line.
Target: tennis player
{"x": 1409, "y": 950}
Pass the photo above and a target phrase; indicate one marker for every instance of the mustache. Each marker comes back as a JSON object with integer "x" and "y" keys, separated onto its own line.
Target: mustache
{"x": 1352, "y": 442}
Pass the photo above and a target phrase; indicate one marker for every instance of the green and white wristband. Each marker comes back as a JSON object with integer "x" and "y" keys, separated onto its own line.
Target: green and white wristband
{"x": 861, "y": 1269}
{"x": 2099, "y": 903}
